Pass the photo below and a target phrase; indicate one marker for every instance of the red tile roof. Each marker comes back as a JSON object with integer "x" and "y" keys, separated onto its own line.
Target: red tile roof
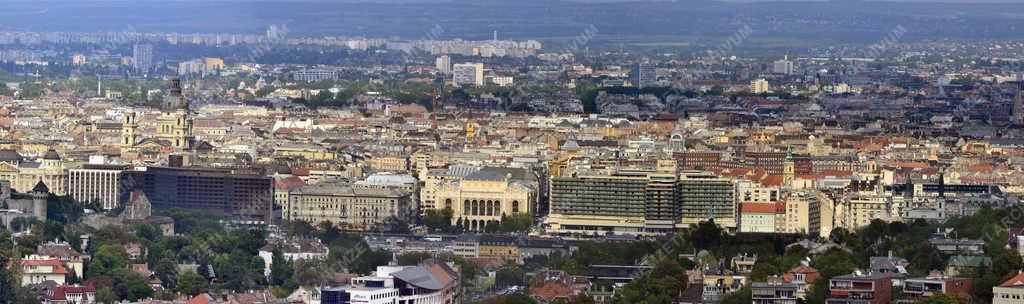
{"x": 58, "y": 267}
{"x": 1016, "y": 280}
{"x": 757, "y": 208}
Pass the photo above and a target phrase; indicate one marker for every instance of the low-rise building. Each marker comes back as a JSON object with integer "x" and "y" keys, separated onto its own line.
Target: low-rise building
{"x": 1010, "y": 291}
{"x": 297, "y": 249}
{"x": 860, "y": 288}
{"x": 919, "y": 289}
{"x": 37, "y": 269}
{"x": 431, "y": 283}
{"x": 773, "y": 293}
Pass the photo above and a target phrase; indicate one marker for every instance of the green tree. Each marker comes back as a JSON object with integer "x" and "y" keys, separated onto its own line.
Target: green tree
{"x": 412, "y": 258}
{"x": 943, "y": 298}
{"x": 742, "y": 296}
{"x": 369, "y": 260}
{"x": 511, "y": 275}
{"x": 106, "y": 295}
{"x": 659, "y": 285}
{"x": 438, "y": 220}
{"x": 762, "y": 270}
{"x": 167, "y": 270}
{"x": 191, "y": 283}
{"x": 129, "y": 285}
{"x": 108, "y": 258}
{"x": 280, "y": 269}
{"x": 516, "y": 223}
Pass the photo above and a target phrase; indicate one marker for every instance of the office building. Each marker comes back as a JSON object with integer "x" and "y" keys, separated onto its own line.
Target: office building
{"x": 190, "y": 67}
{"x": 211, "y": 65}
{"x": 637, "y": 201}
{"x": 78, "y": 59}
{"x": 784, "y": 66}
{"x": 704, "y": 196}
{"x": 759, "y": 86}
{"x": 142, "y": 58}
{"x": 643, "y": 74}
{"x": 273, "y": 33}
{"x": 217, "y": 192}
{"x": 503, "y": 81}
{"x": 443, "y": 64}
{"x": 314, "y": 75}
{"x": 97, "y": 183}
{"x": 468, "y": 74}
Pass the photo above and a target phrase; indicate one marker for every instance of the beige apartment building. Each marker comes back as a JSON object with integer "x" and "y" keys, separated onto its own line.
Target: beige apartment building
{"x": 352, "y": 207}
{"x": 808, "y": 212}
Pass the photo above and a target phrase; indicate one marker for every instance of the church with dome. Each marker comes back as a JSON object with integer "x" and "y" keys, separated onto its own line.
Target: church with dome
{"x": 173, "y": 126}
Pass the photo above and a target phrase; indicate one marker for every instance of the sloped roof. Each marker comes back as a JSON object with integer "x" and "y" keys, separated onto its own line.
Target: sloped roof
{"x": 10, "y": 155}
{"x": 41, "y": 188}
{"x": 58, "y": 267}
{"x": 1015, "y": 281}
{"x": 419, "y": 277}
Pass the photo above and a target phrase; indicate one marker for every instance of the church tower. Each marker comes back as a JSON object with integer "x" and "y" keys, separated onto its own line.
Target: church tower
{"x": 129, "y": 129}
{"x": 175, "y": 124}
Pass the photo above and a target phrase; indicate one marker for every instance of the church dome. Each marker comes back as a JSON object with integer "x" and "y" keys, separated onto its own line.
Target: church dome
{"x": 51, "y": 155}
{"x": 10, "y": 155}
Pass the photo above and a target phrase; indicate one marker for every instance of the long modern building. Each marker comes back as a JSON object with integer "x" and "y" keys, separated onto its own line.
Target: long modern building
{"x": 97, "y": 183}
{"x": 638, "y": 201}
{"x": 434, "y": 283}
{"x": 222, "y": 192}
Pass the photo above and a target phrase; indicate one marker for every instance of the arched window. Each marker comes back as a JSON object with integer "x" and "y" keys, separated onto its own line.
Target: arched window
{"x": 515, "y": 206}
{"x": 465, "y": 207}
{"x": 447, "y": 203}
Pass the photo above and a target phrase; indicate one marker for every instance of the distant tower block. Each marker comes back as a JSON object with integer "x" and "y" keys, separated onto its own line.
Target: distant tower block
{"x": 1018, "y": 109}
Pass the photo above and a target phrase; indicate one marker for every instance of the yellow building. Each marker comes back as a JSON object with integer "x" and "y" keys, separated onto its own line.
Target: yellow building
{"x": 309, "y": 152}
{"x": 24, "y": 175}
{"x": 499, "y": 246}
{"x": 861, "y": 209}
{"x": 809, "y": 213}
{"x": 478, "y": 197}
{"x": 78, "y": 59}
{"x": 390, "y": 163}
{"x": 213, "y": 64}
